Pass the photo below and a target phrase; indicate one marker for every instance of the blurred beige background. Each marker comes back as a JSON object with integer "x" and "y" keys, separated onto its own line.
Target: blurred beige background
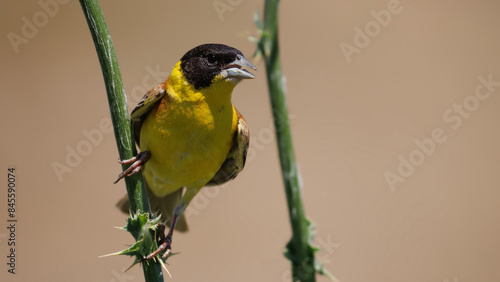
{"x": 354, "y": 117}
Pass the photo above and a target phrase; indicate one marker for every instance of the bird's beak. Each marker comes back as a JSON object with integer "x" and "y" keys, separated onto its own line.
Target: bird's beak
{"x": 235, "y": 69}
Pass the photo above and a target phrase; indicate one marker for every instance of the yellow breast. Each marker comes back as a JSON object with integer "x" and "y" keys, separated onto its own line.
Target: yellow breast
{"x": 189, "y": 134}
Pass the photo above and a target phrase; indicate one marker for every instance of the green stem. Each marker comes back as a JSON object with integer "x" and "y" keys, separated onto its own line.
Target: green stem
{"x": 119, "y": 115}
{"x": 303, "y": 264}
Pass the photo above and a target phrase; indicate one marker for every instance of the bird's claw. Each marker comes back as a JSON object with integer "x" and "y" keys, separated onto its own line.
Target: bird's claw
{"x": 137, "y": 163}
{"x": 165, "y": 244}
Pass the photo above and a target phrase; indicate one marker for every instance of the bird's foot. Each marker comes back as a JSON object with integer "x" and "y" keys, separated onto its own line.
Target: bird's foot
{"x": 137, "y": 163}
{"x": 165, "y": 243}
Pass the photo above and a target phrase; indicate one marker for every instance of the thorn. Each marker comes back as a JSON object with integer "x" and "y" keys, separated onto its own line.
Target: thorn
{"x": 164, "y": 267}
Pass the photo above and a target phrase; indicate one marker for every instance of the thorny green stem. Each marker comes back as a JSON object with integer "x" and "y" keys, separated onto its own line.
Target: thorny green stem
{"x": 303, "y": 264}
{"x": 119, "y": 116}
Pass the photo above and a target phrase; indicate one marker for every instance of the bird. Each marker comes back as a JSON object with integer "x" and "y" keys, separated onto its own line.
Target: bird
{"x": 189, "y": 133}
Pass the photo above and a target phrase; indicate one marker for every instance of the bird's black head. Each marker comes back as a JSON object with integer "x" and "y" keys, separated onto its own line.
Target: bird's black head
{"x": 202, "y": 64}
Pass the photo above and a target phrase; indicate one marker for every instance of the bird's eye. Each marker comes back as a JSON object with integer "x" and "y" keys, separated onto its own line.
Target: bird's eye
{"x": 212, "y": 59}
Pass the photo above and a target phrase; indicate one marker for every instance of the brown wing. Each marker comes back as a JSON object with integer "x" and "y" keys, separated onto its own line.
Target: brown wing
{"x": 140, "y": 112}
{"x": 237, "y": 155}
{"x": 164, "y": 205}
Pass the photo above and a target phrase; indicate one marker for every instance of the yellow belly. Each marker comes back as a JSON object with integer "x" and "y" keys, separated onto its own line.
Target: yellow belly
{"x": 188, "y": 144}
